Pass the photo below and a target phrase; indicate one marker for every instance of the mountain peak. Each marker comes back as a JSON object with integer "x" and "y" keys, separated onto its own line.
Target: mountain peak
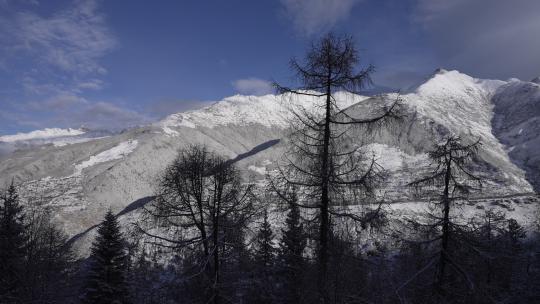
{"x": 536, "y": 80}
{"x": 443, "y": 82}
{"x": 440, "y": 71}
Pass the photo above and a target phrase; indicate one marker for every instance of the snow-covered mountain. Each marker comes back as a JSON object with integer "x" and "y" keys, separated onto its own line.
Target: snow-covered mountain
{"x": 53, "y": 136}
{"x": 269, "y": 111}
{"x": 81, "y": 180}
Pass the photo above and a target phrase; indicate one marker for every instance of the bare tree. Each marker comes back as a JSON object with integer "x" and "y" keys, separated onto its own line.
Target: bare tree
{"x": 319, "y": 162}
{"x": 201, "y": 201}
{"x": 449, "y": 178}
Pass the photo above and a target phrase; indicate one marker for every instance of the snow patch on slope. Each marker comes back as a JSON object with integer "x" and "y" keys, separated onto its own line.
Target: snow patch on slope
{"x": 42, "y": 134}
{"x": 392, "y": 158}
{"x": 260, "y": 170}
{"x": 114, "y": 153}
{"x": 61, "y": 142}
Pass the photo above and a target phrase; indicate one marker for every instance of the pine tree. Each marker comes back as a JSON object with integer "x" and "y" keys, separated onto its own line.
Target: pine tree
{"x": 263, "y": 284}
{"x": 106, "y": 282}
{"x": 512, "y": 255}
{"x": 291, "y": 248}
{"x": 265, "y": 250}
{"x": 12, "y": 246}
{"x": 514, "y": 234}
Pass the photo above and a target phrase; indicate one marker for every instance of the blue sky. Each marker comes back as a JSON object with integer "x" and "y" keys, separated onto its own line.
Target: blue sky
{"x": 114, "y": 64}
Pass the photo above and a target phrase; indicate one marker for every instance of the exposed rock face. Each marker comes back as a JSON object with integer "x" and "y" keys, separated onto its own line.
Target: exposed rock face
{"x": 516, "y": 123}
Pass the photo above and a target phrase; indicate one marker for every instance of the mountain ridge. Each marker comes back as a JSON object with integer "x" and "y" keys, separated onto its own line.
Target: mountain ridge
{"x": 81, "y": 180}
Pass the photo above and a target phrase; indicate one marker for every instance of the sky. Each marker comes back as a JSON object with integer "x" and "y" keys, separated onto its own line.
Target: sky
{"x": 117, "y": 64}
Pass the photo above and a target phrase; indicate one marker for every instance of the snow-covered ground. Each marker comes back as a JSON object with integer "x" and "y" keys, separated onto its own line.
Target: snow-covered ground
{"x": 114, "y": 153}
{"x": 60, "y": 142}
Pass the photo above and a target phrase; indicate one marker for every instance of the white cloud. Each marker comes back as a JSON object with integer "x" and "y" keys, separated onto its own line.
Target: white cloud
{"x": 72, "y": 111}
{"x": 63, "y": 52}
{"x": 312, "y": 16}
{"x": 253, "y": 86}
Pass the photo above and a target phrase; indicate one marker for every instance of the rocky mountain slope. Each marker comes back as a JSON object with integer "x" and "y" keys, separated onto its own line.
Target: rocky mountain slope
{"x": 80, "y": 177}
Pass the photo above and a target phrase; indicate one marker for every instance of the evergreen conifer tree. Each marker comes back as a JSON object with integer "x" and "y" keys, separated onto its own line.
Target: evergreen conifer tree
{"x": 49, "y": 259}
{"x": 12, "y": 246}
{"x": 265, "y": 250}
{"x": 291, "y": 248}
{"x": 264, "y": 256}
{"x": 106, "y": 282}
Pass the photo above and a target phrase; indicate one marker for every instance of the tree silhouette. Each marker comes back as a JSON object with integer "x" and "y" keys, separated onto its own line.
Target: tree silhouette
{"x": 106, "y": 282}
{"x": 452, "y": 181}
{"x": 291, "y": 249}
{"x": 318, "y": 162}
{"x": 264, "y": 256}
{"x": 205, "y": 206}
{"x": 265, "y": 250}
{"x": 12, "y": 246}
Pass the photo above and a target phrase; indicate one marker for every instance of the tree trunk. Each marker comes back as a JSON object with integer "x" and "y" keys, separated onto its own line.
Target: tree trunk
{"x": 216, "y": 260}
{"x": 446, "y": 223}
{"x": 325, "y": 225}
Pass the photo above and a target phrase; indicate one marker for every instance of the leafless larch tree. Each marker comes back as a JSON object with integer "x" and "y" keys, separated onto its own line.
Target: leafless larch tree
{"x": 322, "y": 163}
{"x": 450, "y": 180}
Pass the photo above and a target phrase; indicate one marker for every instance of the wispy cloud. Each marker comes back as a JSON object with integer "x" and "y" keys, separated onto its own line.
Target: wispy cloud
{"x": 253, "y": 86}
{"x": 61, "y": 51}
{"x": 71, "y": 40}
{"x": 58, "y": 59}
{"x": 60, "y": 102}
{"x": 313, "y": 16}
{"x": 91, "y": 84}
